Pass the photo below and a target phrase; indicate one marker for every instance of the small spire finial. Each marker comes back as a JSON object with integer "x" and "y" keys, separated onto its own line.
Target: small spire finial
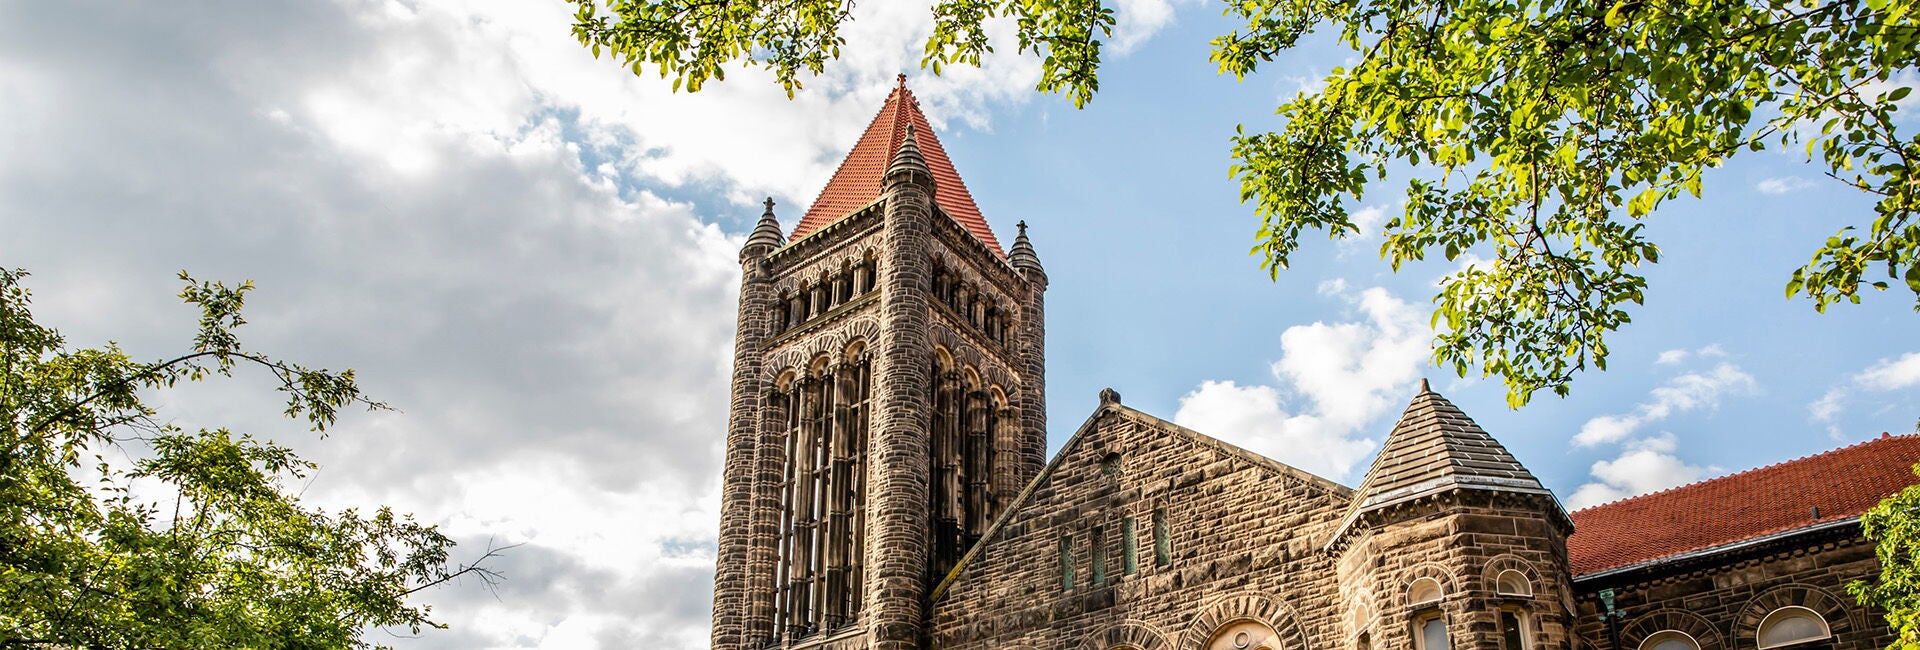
{"x": 1424, "y": 388}
{"x": 766, "y": 235}
{"x": 1022, "y": 226}
{"x": 903, "y": 81}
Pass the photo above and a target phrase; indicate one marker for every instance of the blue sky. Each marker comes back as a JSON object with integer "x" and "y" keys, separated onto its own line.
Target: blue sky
{"x": 532, "y": 254}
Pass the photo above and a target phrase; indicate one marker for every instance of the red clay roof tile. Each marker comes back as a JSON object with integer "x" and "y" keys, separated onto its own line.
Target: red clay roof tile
{"x": 1778, "y": 498}
{"x": 858, "y": 180}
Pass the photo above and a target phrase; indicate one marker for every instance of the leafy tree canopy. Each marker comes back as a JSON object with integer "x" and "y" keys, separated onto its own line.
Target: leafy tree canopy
{"x": 1894, "y": 527}
{"x": 120, "y": 530}
{"x": 1538, "y": 134}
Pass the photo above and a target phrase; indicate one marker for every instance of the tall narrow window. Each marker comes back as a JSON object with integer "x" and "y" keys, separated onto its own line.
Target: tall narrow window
{"x": 1513, "y": 629}
{"x": 1162, "y": 546}
{"x": 1129, "y": 547}
{"x": 1430, "y": 632}
{"x": 1099, "y": 556}
{"x": 1066, "y": 562}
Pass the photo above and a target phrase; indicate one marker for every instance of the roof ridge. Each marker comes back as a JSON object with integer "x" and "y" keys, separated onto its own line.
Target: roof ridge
{"x": 1883, "y": 437}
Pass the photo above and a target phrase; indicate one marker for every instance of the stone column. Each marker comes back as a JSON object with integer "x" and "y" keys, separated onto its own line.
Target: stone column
{"x": 897, "y": 543}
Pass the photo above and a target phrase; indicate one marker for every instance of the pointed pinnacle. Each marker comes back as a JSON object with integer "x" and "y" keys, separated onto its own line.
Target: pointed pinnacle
{"x": 1021, "y": 256}
{"x": 907, "y": 160}
{"x": 766, "y": 235}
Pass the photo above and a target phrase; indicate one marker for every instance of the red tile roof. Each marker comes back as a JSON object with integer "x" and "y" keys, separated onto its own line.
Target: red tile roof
{"x": 857, "y": 182}
{"x": 1778, "y": 498}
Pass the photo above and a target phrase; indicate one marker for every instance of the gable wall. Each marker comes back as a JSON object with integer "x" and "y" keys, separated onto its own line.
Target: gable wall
{"x": 1244, "y": 543}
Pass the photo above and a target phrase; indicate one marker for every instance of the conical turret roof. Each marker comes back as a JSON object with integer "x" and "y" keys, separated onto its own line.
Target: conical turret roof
{"x": 858, "y": 181}
{"x": 766, "y": 234}
{"x": 1433, "y": 448}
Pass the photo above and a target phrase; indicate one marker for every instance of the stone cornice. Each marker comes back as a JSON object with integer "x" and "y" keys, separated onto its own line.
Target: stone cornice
{"x": 1437, "y": 495}
{"x": 991, "y": 265}
{"x": 803, "y": 251}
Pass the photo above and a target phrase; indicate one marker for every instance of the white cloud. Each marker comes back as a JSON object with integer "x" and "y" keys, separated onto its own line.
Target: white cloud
{"x": 1645, "y": 465}
{"x": 1369, "y": 220}
{"x": 1348, "y": 375}
{"x": 1688, "y": 392}
{"x": 1782, "y": 185}
{"x": 1137, "y": 21}
{"x": 1649, "y": 463}
{"x": 1670, "y": 357}
{"x": 1883, "y": 376}
{"x": 1892, "y": 374}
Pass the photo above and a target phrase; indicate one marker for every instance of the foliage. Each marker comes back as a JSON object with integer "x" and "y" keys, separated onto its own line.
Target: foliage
{"x": 119, "y": 530}
{"x": 1537, "y": 134}
{"x": 1547, "y": 132}
{"x": 691, "y": 41}
{"x": 1894, "y": 527}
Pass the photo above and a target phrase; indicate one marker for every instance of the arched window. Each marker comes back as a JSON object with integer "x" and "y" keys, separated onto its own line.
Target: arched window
{"x": 1512, "y": 583}
{"x": 1789, "y": 625}
{"x": 1669, "y": 640}
{"x": 1244, "y": 635}
{"x": 1422, "y": 591}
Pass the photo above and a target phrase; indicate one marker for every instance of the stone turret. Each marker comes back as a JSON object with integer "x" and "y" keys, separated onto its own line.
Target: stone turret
{"x": 899, "y": 541}
{"x": 1031, "y": 340}
{"x": 1450, "y": 535}
{"x": 732, "y": 602}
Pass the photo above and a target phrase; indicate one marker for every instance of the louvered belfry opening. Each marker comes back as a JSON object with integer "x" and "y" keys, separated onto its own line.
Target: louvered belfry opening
{"x": 966, "y": 419}
{"x": 823, "y": 416}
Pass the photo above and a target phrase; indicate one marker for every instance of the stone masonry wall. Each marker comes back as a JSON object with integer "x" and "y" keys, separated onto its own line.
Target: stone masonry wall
{"x": 1242, "y": 532}
{"x": 1720, "y": 604}
{"x": 1464, "y": 540}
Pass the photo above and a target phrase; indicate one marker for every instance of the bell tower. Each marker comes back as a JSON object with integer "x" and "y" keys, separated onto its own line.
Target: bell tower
{"x": 888, "y": 399}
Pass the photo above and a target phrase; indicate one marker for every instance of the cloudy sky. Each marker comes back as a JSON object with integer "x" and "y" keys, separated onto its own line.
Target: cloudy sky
{"x": 531, "y": 254}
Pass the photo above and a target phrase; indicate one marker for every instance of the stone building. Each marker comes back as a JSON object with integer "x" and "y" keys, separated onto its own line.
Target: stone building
{"x": 886, "y": 486}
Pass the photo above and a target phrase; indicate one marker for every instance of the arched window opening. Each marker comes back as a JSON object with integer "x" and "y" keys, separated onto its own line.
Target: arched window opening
{"x": 962, "y": 459}
{"x": 1129, "y": 547}
{"x": 822, "y": 422}
{"x": 1430, "y": 631}
{"x": 1669, "y": 640}
{"x": 1513, "y": 583}
{"x": 1790, "y": 625}
{"x": 1244, "y": 635}
{"x": 843, "y": 285}
{"x": 1423, "y": 591}
{"x": 864, "y": 275}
